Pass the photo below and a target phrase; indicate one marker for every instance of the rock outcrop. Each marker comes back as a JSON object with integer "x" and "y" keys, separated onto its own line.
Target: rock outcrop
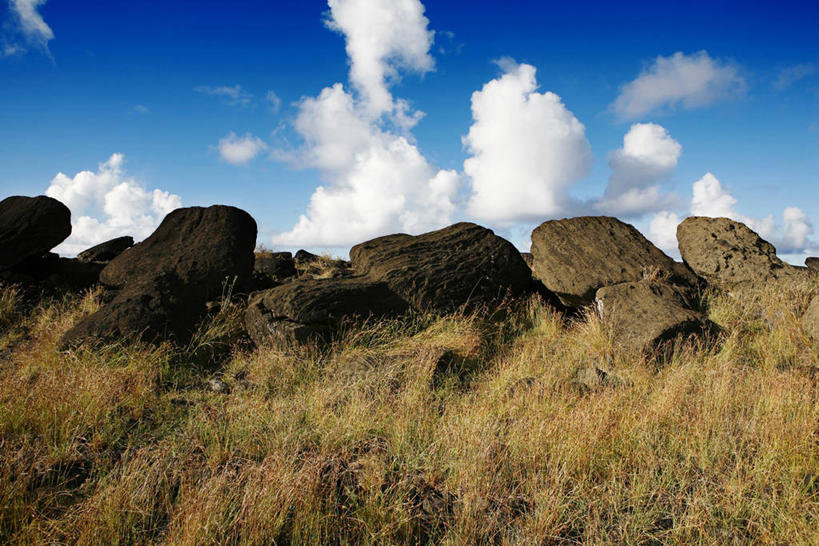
{"x": 275, "y": 266}
{"x": 728, "y": 254}
{"x": 575, "y": 257}
{"x": 645, "y": 315}
{"x": 165, "y": 282}
{"x": 441, "y": 271}
{"x": 30, "y": 227}
{"x": 812, "y": 264}
{"x": 313, "y": 308}
{"x": 107, "y": 251}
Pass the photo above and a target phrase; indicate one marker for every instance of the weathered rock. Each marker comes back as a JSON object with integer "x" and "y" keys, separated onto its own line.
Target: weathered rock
{"x": 107, "y": 251}
{"x": 812, "y": 264}
{"x": 148, "y": 309}
{"x": 443, "y": 270}
{"x": 811, "y": 319}
{"x": 528, "y": 258}
{"x": 574, "y": 257}
{"x": 304, "y": 258}
{"x": 645, "y": 315}
{"x": 166, "y": 281}
{"x": 279, "y": 266}
{"x": 729, "y": 254}
{"x": 51, "y": 271}
{"x": 201, "y": 246}
{"x": 30, "y": 227}
{"x": 312, "y": 308}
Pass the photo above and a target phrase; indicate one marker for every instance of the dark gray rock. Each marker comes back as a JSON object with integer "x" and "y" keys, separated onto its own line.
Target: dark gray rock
{"x": 728, "y": 254}
{"x": 107, "y": 251}
{"x": 166, "y": 281}
{"x": 30, "y": 227}
{"x": 461, "y": 265}
{"x": 646, "y": 315}
{"x": 307, "y": 309}
{"x": 278, "y": 266}
{"x": 574, "y": 257}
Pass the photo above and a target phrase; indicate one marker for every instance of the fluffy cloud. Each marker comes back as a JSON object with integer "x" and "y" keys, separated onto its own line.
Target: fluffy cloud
{"x": 691, "y": 81}
{"x": 107, "y": 204}
{"x": 648, "y": 156}
{"x": 232, "y": 95}
{"x": 377, "y": 180}
{"x": 382, "y": 37}
{"x": 28, "y": 27}
{"x": 710, "y": 198}
{"x": 527, "y": 149}
{"x": 238, "y": 150}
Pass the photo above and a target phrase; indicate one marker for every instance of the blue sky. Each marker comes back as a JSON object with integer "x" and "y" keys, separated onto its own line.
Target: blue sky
{"x": 726, "y": 88}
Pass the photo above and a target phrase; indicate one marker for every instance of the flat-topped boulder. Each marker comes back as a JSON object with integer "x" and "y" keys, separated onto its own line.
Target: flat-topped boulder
{"x": 575, "y": 257}
{"x": 311, "y": 308}
{"x": 444, "y": 270}
{"x": 645, "y": 315}
{"x": 728, "y": 254}
{"x": 165, "y": 282}
{"x": 31, "y": 227}
{"x": 107, "y": 251}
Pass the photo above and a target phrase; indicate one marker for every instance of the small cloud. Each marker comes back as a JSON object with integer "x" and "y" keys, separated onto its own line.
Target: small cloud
{"x": 141, "y": 109}
{"x": 273, "y": 101}
{"x": 792, "y": 74}
{"x": 26, "y": 28}
{"x": 690, "y": 81}
{"x": 232, "y": 95}
{"x": 649, "y": 155}
{"x": 238, "y": 150}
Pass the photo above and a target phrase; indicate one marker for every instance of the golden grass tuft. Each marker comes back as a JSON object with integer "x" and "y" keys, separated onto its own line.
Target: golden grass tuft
{"x": 460, "y": 429}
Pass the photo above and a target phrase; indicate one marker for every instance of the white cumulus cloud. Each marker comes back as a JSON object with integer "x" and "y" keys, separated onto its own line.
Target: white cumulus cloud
{"x": 649, "y": 155}
{"x": 382, "y": 37}
{"x": 108, "y": 204}
{"x": 527, "y": 149}
{"x": 377, "y": 180}
{"x": 239, "y": 150}
{"x": 26, "y": 28}
{"x": 690, "y": 81}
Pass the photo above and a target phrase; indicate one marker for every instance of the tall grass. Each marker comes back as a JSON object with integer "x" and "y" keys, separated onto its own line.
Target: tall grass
{"x": 461, "y": 429}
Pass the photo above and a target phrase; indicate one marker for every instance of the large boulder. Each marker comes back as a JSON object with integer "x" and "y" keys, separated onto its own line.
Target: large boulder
{"x": 728, "y": 254}
{"x": 51, "y": 271}
{"x": 574, "y": 257}
{"x": 811, "y": 319}
{"x": 107, "y": 251}
{"x": 202, "y": 246}
{"x": 461, "y": 265}
{"x": 165, "y": 282}
{"x": 312, "y": 308}
{"x": 645, "y": 315}
{"x": 812, "y": 264}
{"x": 30, "y": 227}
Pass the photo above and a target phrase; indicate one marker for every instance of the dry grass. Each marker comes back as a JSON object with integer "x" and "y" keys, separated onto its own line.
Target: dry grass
{"x": 454, "y": 430}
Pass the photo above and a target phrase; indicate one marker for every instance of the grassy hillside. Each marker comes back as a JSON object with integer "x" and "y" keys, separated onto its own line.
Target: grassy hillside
{"x": 455, "y": 430}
